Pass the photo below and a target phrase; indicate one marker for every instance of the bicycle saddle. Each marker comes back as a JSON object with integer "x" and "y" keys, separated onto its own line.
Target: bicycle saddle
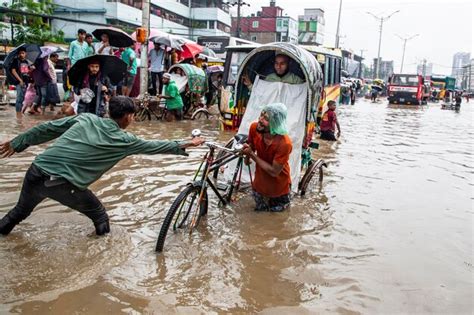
{"x": 240, "y": 138}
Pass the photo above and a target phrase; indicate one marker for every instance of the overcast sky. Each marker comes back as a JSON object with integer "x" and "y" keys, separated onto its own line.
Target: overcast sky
{"x": 445, "y": 27}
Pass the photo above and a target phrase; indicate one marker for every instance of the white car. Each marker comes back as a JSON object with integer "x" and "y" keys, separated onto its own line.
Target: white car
{"x": 59, "y": 75}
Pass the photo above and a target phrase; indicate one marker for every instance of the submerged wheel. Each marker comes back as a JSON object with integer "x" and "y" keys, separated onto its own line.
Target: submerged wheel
{"x": 201, "y": 113}
{"x": 307, "y": 180}
{"x": 181, "y": 213}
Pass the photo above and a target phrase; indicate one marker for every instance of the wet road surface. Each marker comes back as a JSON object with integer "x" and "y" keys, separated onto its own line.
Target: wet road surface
{"x": 390, "y": 230}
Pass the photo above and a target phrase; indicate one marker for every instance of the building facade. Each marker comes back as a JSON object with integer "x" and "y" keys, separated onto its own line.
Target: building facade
{"x": 267, "y": 26}
{"x": 460, "y": 60}
{"x": 467, "y": 82}
{"x": 386, "y": 69}
{"x": 188, "y": 18}
{"x": 311, "y": 27}
{"x": 425, "y": 69}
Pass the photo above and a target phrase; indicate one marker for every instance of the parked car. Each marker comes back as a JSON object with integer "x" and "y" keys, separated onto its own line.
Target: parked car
{"x": 59, "y": 74}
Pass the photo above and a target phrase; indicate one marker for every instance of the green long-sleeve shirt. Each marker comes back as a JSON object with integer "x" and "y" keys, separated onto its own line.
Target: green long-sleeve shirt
{"x": 87, "y": 146}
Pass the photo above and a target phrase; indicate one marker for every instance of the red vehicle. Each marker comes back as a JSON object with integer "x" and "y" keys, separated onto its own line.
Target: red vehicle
{"x": 408, "y": 89}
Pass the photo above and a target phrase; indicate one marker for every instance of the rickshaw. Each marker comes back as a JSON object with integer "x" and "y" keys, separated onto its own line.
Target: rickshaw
{"x": 300, "y": 99}
{"x": 192, "y": 84}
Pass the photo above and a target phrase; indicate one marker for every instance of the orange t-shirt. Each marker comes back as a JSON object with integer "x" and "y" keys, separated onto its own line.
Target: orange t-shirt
{"x": 279, "y": 152}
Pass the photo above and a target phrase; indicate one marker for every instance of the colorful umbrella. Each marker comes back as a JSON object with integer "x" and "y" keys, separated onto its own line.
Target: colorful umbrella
{"x": 48, "y": 50}
{"x": 169, "y": 40}
{"x": 117, "y": 37}
{"x": 190, "y": 49}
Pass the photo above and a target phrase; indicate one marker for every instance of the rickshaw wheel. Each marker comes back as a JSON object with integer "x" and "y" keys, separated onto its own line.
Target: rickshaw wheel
{"x": 201, "y": 113}
{"x": 309, "y": 174}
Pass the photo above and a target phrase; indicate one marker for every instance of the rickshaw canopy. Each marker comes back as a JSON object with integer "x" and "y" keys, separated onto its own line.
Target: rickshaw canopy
{"x": 195, "y": 78}
{"x": 302, "y": 63}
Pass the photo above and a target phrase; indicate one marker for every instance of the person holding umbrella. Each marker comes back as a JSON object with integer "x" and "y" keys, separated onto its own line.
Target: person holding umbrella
{"x": 92, "y": 88}
{"x": 20, "y": 69}
{"x": 92, "y": 79}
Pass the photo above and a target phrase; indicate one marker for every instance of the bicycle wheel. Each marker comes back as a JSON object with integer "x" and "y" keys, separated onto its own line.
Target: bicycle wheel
{"x": 141, "y": 115}
{"x": 199, "y": 114}
{"x": 181, "y": 212}
{"x": 307, "y": 181}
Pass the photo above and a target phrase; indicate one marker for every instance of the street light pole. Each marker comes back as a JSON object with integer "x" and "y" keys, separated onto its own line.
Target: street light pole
{"x": 360, "y": 63}
{"x": 381, "y": 19}
{"x": 338, "y": 23}
{"x": 404, "y": 47}
{"x": 144, "y": 49}
{"x": 237, "y": 3}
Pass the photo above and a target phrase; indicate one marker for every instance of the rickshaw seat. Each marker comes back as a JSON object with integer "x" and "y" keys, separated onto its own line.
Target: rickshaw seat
{"x": 240, "y": 138}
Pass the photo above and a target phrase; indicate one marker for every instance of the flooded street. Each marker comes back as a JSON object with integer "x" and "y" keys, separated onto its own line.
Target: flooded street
{"x": 390, "y": 230}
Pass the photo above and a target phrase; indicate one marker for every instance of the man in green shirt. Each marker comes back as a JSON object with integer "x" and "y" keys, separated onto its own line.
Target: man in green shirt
{"x": 282, "y": 73}
{"x": 174, "y": 102}
{"x": 89, "y": 48}
{"x": 130, "y": 58}
{"x": 86, "y": 147}
{"x": 77, "y": 49}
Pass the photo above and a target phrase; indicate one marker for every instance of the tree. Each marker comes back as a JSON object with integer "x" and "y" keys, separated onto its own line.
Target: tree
{"x": 33, "y": 29}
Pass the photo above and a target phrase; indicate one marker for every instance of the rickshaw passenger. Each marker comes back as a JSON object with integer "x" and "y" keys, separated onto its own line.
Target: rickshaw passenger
{"x": 174, "y": 103}
{"x": 282, "y": 73}
{"x": 269, "y": 139}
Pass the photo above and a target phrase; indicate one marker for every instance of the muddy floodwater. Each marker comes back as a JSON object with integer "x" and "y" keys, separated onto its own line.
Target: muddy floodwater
{"x": 389, "y": 231}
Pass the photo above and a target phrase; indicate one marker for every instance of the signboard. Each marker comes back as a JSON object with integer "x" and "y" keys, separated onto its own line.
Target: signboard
{"x": 216, "y": 43}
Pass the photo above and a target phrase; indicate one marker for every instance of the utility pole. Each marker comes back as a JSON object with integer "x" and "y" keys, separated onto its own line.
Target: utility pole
{"x": 338, "y": 24}
{"x": 381, "y": 20}
{"x": 237, "y": 3}
{"x": 144, "y": 48}
{"x": 404, "y": 47}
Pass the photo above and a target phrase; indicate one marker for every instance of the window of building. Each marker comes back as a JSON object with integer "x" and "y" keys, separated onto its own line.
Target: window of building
{"x": 212, "y": 25}
{"x": 199, "y": 24}
{"x": 222, "y": 27}
{"x": 279, "y": 23}
{"x": 170, "y": 16}
{"x": 312, "y": 26}
{"x": 285, "y": 23}
{"x": 253, "y": 38}
{"x": 255, "y": 24}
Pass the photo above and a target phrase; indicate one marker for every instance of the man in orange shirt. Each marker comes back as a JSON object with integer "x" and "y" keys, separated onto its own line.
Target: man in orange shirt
{"x": 269, "y": 146}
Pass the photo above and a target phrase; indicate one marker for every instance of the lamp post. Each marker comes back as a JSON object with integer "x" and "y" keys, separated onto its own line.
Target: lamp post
{"x": 338, "y": 22}
{"x": 381, "y": 20}
{"x": 404, "y": 47}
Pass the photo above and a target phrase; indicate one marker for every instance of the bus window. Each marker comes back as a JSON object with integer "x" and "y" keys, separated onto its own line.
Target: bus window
{"x": 337, "y": 70}
{"x": 326, "y": 71}
{"x": 333, "y": 71}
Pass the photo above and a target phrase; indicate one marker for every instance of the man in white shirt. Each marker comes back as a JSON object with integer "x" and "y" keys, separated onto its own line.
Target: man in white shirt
{"x": 157, "y": 56}
{"x": 104, "y": 48}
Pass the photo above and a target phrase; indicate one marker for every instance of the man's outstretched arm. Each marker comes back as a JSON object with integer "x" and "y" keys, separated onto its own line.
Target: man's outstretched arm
{"x": 41, "y": 133}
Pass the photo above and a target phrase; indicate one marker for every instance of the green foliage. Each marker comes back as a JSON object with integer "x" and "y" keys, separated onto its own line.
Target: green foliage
{"x": 33, "y": 29}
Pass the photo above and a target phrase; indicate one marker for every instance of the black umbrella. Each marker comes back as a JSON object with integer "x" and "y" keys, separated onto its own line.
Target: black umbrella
{"x": 33, "y": 51}
{"x": 110, "y": 66}
{"x": 117, "y": 38}
{"x": 377, "y": 87}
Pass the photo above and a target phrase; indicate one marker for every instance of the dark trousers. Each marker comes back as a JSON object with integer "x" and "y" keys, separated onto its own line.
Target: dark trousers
{"x": 328, "y": 135}
{"x": 156, "y": 85}
{"x": 276, "y": 204}
{"x": 38, "y": 186}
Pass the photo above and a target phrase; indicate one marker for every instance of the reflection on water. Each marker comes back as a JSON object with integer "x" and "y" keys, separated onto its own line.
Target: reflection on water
{"x": 390, "y": 229}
